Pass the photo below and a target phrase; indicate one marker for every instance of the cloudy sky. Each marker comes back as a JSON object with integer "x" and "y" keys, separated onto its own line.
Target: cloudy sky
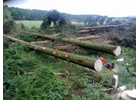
{"x": 111, "y": 8}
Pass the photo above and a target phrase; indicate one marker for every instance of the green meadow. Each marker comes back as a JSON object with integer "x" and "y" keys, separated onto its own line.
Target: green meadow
{"x": 30, "y": 24}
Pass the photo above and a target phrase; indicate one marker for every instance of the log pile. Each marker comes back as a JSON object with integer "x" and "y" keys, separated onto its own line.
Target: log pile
{"x": 95, "y": 29}
{"x": 87, "y": 31}
{"x": 107, "y": 26}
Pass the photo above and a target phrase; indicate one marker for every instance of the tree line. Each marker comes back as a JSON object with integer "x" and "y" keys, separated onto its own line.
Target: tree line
{"x": 26, "y": 14}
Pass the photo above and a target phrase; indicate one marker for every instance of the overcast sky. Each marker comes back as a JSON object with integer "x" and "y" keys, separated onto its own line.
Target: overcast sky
{"x": 111, "y": 8}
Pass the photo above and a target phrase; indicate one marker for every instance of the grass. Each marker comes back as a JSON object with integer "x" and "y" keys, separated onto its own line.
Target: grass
{"x": 30, "y": 24}
{"x": 37, "y": 24}
{"x": 77, "y": 23}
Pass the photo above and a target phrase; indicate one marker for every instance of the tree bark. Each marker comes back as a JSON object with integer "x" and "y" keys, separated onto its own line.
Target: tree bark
{"x": 115, "y": 50}
{"x": 91, "y": 63}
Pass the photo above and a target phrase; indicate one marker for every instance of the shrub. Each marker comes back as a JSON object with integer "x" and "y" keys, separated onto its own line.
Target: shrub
{"x": 9, "y": 26}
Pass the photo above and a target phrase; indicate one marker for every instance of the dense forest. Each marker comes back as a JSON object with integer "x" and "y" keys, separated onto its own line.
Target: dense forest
{"x": 26, "y": 14}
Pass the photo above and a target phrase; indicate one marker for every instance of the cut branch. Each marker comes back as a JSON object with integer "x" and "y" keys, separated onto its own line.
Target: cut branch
{"x": 115, "y": 50}
{"x": 91, "y": 63}
{"x": 64, "y": 74}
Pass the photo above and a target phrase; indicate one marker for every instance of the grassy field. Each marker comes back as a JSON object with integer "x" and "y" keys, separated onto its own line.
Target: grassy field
{"x": 37, "y": 24}
{"x": 79, "y": 23}
{"x": 30, "y": 24}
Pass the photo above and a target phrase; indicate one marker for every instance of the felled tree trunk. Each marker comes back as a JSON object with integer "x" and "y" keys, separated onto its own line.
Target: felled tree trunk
{"x": 115, "y": 50}
{"x": 91, "y": 63}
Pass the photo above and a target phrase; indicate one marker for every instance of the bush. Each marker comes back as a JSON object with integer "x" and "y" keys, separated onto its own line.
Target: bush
{"x": 9, "y": 26}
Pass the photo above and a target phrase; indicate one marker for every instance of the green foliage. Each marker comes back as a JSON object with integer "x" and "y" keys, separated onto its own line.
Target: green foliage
{"x": 125, "y": 37}
{"x": 24, "y": 76}
{"x": 56, "y": 17}
{"x": 8, "y": 23}
{"x": 6, "y": 13}
{"x": 26, "y": 37}
{"x": 9, "y": 26}
{"x": 95, "y": 21}
{"x": 116, "y": 22}
{"x": 51, "y": 16}
{"x": 101, "y": 19}
{"x": 90, "y": 21}
{"x": 45, "y": 24}
{"x": 15, "y": 62}
{"x": 63, "y": 21}
{"x": 26, "y": 14}
{"x": 6, "y": 42}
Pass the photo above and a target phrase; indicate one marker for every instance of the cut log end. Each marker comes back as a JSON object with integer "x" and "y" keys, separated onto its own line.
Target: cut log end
{"x": 98, "y": 65}
{"x": 117, "y": 51}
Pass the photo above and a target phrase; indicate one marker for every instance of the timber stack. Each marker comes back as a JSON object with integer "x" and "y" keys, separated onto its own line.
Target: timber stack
{"x": 96, "y": 28}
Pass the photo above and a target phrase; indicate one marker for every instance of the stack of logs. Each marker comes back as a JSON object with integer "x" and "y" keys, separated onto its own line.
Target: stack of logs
{"x": 96, "y": 28}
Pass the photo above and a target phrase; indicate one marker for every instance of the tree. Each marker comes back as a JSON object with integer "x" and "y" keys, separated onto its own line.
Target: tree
{"x": 64, "y": 20}
{"x": 90, "y": 21}
{"x": 53, "y": 16}
{"x": 9, "y": 24}
{"x": 101, "y": 19}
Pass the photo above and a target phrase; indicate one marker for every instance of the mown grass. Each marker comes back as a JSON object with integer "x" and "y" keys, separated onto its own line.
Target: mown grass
{"x": 37, "y": 24}
{"x": 30, "y": 24}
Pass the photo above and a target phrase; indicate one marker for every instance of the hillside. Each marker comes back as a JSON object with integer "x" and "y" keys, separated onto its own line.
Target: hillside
{"x": 36, "y": 67}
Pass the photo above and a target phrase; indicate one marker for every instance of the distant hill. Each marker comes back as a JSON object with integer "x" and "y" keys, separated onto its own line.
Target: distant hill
{"x": 28, "y": 14}
{"x": 79, "y": 18}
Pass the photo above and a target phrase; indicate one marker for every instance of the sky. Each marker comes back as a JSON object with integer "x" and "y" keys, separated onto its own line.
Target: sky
{"x": 111, "y": 8}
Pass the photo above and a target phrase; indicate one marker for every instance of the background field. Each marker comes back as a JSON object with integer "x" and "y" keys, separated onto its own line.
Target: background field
{"x": 37, "y": 24}
{"x": 30, "y": 24}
